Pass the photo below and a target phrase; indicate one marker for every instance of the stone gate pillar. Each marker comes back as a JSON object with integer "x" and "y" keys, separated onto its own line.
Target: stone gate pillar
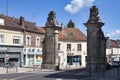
{"x": 50, "y": 43}
{"x": 95, "y": 43}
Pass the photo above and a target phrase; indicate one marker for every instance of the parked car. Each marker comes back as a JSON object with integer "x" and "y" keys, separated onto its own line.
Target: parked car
{"x": 115, "y": 64}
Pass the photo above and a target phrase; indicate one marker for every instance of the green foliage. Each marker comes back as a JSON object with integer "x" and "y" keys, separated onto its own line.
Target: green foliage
{"x": 70, "y": 24}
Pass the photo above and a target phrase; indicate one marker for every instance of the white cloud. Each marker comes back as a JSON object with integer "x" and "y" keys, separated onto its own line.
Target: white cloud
{"x": 77, "y": 5}
{"x": 114, "y": 34}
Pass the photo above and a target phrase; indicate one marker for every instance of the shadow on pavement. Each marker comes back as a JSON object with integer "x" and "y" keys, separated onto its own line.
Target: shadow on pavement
{"x": 69, "y": 74}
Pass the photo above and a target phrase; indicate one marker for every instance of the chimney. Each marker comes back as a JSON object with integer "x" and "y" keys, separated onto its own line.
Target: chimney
{"x": 22, "y": 21}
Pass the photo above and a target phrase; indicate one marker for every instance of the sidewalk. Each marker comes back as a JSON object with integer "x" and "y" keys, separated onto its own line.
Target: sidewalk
{"x": 15, "y": 70}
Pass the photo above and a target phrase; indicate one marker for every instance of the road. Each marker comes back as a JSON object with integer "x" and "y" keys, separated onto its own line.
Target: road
{"x": 76, "y": 74}
{"x": 53, "y": 75}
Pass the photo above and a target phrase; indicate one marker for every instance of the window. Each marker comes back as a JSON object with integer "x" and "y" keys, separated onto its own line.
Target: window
{"x": 38, "y": 42}
{"x": 29, "y": 50}
{"x": 78, "y": 47}
{"x": 1, "y": 21}
{"x": 33, "y": 50}
{"x": 1, "y": 38}
{"x": 38, "y": 50}
{"x": 68, "y": 47}
{"x": 25, "y": 50}
{"x": 16, "y": 40}
{"x": 28, "y": 41}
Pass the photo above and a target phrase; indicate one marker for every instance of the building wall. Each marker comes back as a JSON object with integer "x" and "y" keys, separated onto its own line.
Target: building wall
{"x": 113, "y": 54}
{"x": 116, "y": 50}
{"x": 32, "y": 57}
{"x": 9, "y": 35}
{"x": 81, "y": 53}
{"x": 33, "y": 38}
{"x": 8, "y": 48}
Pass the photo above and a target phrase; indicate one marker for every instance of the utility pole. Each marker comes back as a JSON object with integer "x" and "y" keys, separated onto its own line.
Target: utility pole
{"x": 6, "y": 7}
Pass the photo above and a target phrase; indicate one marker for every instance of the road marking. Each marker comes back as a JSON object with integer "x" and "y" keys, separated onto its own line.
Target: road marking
{"x": 59, "y": 79}
{"x": 8, "y": 79}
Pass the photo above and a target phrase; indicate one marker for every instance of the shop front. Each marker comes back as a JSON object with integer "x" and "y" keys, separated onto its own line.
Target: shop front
{"x": 32, "y": 56}
{"x": 10, "y": 54}
{"x": 74, "y": 60}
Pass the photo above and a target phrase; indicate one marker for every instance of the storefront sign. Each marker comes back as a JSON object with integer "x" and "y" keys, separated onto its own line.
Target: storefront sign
{"x": 3, "y": 49}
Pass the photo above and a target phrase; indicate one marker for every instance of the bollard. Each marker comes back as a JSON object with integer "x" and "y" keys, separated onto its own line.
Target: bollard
{"x": 40, "y": 67}
{"x": 16, "y": 69}
{"x": 7, "y": 69}
{"x": 33, "y": 67}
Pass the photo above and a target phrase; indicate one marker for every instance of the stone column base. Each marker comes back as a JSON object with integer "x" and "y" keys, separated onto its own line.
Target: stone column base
{"x": 48, "y": 66}
{"x": 95, "y": 67}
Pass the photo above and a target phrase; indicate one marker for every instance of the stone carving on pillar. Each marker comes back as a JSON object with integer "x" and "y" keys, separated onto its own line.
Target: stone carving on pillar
{"x": 51, "y": 20}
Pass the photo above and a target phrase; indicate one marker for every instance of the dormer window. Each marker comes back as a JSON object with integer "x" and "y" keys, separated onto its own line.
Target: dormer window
{"x": 1, "y": 21}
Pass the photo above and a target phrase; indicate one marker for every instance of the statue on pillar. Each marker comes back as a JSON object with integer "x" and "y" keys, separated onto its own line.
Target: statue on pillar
{"x": 94, "y": 17}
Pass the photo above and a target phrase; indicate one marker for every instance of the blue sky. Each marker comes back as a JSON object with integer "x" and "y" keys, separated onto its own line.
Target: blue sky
{"x": 77, "y": 10}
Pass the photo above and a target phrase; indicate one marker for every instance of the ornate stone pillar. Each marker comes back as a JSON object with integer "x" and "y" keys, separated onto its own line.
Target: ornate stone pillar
{"x": 95, "y": 51}
{"x": 50, "y": 43}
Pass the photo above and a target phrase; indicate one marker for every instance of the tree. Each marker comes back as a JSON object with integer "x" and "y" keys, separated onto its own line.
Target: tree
{"x": 70, "y": 24}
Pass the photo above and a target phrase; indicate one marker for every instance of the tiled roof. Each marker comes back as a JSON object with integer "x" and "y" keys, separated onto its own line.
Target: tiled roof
{"x": 11, "y": 22}
{"x": 71, "y": 34}
{"x": 113, "y": 43}
{"x": 42, "y": 29}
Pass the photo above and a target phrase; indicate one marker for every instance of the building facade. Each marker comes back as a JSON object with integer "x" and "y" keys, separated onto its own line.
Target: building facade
{"x": 32, "y": 40}
{"x": 11, "y": 42}
{"x": 20, "y": 41}
{"x": 72, "y": 47}
{"x": 112, "y": 50}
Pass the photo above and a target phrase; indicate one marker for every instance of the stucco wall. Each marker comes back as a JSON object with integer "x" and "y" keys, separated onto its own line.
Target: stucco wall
{"x": 8, "y": 36}
{"x": 83, "y": 52}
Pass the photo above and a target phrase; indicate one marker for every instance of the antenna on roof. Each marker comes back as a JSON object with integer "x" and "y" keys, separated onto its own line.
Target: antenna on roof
{"x": 34, "y": 15}
{"x": 6, "y": 7}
